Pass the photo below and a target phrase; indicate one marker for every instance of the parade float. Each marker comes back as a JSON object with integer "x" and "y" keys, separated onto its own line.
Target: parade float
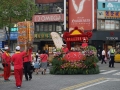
{"x": 81, "y": 58}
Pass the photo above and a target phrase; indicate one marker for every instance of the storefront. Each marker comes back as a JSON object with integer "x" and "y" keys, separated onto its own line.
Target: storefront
{"x": 105, "y": 39}
{"x": 44, "y": 25}
{"x": 43, "y": 41}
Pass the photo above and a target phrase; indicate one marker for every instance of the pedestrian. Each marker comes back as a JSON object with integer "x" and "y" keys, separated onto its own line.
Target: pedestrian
{"x": 27, "y": 62}
{"x": 6, "y": 61}
{"x": 44, "y": 61}
{"x": 37, "y": 62}
{"x": 99, "y": 54}
{"x": 103, "y": 56}
{"x": 64, "y": 49}
{"x": 112, "y": 55}
{"x": 17, "y": 61}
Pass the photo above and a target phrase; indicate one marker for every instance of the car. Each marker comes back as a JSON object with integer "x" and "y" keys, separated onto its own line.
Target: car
{"x": 117, "y": 58}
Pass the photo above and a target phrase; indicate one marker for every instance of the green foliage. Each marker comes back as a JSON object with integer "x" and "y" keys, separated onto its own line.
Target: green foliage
{"x": 12, "y": 11}
{"x": 92, "y": 48}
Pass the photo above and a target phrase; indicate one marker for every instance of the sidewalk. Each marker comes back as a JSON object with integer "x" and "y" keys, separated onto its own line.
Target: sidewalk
{"x": 1, "y": 71}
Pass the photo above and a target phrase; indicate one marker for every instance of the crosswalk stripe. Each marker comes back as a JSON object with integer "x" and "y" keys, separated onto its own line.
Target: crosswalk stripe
{"x": 117, "y": 73}
{"x": 111, "y": 71}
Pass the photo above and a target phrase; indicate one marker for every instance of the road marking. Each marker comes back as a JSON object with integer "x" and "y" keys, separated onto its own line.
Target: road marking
{"x": 113, "y": 79}
{"x": 92, "y": 85}
{"x": 102, "y": 70}
{"x": 111, "y": 71}
{"x": 83, "y": 84}
{"x": 117, "y": 73}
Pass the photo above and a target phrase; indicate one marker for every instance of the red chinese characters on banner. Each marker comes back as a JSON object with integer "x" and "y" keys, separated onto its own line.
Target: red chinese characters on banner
{"x": 74, "y": 56}
{"x": 80, "y": 14}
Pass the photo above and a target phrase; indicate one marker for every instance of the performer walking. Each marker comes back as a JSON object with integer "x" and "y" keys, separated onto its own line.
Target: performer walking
{"x": 6, "y": 60}
{"x": 27, "y": 60}
{"x": 18, "y": 66}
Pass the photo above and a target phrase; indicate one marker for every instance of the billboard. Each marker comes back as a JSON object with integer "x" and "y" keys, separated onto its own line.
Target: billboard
{"x": 81, "y": 13}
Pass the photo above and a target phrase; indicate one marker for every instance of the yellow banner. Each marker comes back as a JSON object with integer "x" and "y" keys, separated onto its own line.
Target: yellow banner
{"x": 25, "y": 33}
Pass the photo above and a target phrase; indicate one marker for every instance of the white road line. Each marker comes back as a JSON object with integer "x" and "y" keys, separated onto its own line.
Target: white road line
{"x": 92, "y": 85}
{"x": 117, "y": 73}
{"x": 111, "y": 71}
{"x": 102, "y": 70}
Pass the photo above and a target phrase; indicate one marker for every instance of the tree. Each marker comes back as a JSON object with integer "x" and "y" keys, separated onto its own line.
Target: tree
{"x": 13, "y": 11}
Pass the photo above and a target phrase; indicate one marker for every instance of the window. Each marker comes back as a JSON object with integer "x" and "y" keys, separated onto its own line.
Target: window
{"x": 102, "y": 26}
{"x": 103, "y": 5}
{"x": 45, "y": 26}
{"x": 117, "y": 25}
{"x": 49, "y": 8}
{"x": 108, "y": 25}
{"x": 53, "y": 27}
{"x": 41, "y": 26}
{"x": 58, "y": 28}
{"x": 50, "y": 27}
{"x": 37, "y": 27}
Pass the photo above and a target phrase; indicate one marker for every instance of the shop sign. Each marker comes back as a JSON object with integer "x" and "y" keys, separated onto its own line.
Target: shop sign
{"x": 13, "y": 35}
{"x": 108, "y": 14}
{"x": 112, "y": 38}
{"x": 109, "y": 6}
{"x": 48, "y": 18}
{"x": 100, "y": 14}
{"x": 111, "y": 0}
{"x": 13, "y": 29}
{"x": 42, "y": 35}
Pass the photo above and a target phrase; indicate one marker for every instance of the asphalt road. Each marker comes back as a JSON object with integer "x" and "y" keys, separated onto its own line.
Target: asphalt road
{"x": 108, "y": 79}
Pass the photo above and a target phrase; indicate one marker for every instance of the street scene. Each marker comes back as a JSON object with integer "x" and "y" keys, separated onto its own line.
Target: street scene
{"x": 107, "y": 79}
{"x": 60, "y": 44}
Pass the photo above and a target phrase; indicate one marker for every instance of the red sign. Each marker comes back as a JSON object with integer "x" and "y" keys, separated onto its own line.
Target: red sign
{"x": 80, "y": 14}
{"x": 74, "y": 56}
{"x": 48, "y": 18}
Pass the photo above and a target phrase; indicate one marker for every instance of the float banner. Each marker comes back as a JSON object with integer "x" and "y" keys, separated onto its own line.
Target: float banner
{"x": 25, "y": 33}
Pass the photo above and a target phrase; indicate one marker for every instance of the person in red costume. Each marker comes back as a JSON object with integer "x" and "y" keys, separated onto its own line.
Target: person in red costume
{"x": 65, "y": 50}
{"x": 17, "y": 61}
{"x": 27, "y": 60}
{"x": 6, "y": 60}
{"x": 84, "y": 44}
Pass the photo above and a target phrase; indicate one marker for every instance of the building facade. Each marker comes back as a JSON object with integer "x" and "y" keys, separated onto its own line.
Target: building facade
{"x": 108, "y": 24}
{"x": 49, "y": 18}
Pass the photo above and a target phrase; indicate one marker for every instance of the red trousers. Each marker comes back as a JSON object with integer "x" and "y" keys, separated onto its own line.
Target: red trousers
{"x": 7, "y": 72}
{"x": 18, "y": 76}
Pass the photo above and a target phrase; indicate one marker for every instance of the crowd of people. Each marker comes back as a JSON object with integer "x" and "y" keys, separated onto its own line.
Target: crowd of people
{"x": 24, "y": 63}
